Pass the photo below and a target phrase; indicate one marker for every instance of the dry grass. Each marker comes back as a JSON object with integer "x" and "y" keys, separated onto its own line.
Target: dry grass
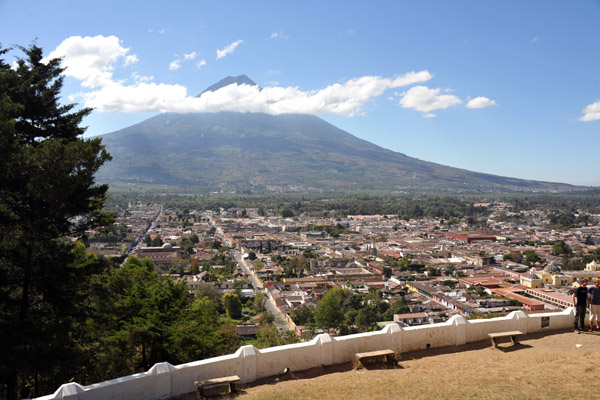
{"x": 554, "y": 366}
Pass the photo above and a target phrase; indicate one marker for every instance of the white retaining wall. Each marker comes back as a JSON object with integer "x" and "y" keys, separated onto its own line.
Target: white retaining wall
{"x": 164, "y": 380}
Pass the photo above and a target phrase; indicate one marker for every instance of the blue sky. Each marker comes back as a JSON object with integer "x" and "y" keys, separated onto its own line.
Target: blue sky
{"x": 504, "y": 87}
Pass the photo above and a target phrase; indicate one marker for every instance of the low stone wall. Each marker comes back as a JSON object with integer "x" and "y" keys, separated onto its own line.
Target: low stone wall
{"x": 164, "y": 380}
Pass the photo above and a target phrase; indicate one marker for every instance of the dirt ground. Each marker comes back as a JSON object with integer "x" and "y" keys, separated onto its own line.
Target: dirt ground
{"x": 551, "y": 366}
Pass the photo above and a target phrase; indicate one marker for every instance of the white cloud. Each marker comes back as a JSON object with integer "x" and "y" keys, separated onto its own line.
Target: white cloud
{"x": 279, "y": 35}
{"x": 138, "y": 78}
{"x": 480, "y": 102}
{"x": 228, "y": 49}
{"x": 190, "y": 56}
{"x": 175, "y": 65}
{"x": 424, "y": 99}
{"x": 130, "y": 60}
{"x": 90, "y": 59}
{"x": 429, "y": 115}
{"x": 343, "y": 99}
{"x": 591, "y": 112}
{"x": 201, "y": 63}
{"x": 141, "y": 96}
{"x": 412, "y": 77}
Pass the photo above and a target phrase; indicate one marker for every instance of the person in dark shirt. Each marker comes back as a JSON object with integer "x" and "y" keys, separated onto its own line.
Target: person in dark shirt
{"x": 595, "y": 305}
{"x": 26, "y": 393}
{"x": 580, "y": 298}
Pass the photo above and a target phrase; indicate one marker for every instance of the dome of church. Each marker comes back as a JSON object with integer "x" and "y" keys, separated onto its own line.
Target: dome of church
{"x": 167, "y": 246}
{"x": 552, "y": 268}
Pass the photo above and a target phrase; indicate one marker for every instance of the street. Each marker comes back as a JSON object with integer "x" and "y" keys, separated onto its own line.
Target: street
{"x": 280, "y": 321}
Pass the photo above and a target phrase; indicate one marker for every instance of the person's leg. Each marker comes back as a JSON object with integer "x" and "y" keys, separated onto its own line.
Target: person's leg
{"x": 582, "y": 318}
{"x": 596, "y": 315}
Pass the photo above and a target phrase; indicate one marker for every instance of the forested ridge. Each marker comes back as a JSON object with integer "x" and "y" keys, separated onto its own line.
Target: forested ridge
{"x": 342, "y": 204}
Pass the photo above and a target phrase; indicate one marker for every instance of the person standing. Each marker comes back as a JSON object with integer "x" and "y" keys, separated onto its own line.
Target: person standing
{"x": 595, "y": 305}
{"x": 580, "y": 298}
{"x": 26, "y": 393}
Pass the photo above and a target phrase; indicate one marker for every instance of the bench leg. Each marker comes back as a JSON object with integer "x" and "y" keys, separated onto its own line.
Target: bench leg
{"x": 363, "y": 362}
{"x": 514, "y": 339}
{"x": 215, "y": 389}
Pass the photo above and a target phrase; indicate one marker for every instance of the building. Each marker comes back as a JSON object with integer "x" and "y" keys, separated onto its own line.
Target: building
{"x": 162, "y": 256}
{"x": 593, "y": 266}
{"x": 552, "y": 275}
{"x": 440, "y": 297}
{"x": 518, "y": 294}
{"x": 531, "y": 280}
{"x": 470, "y": 237}
{"x": 411, "y": 319}
{"x": 551, "y": 296}
{"x": 247, "y": 331}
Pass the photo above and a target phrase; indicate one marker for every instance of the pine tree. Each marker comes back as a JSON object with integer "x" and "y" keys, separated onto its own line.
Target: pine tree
{"x": 47, "y": 194}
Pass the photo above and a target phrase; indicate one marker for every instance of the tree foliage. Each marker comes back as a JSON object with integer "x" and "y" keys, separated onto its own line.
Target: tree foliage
{"x": 346, "y": 312}
{"x": 66, "y": 314}
{"x": 233, "y": 305}
{"x": 329, "y": 313}
{"x": 47, "y": 192}
{"x": 561, "y": 248}
{"x": 141, "y": 318}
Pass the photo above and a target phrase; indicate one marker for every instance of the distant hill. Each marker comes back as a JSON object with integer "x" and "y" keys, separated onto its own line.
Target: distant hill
{"x": 290, "y": 152}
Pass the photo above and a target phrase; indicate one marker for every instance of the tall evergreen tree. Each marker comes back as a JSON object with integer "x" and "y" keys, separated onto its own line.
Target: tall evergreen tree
{"x": 47, "y": 193}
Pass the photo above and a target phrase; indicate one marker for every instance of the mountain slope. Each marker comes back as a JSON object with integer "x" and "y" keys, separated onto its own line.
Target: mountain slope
{"x": 230, "y": 80}
{"x": 234, "y": 151}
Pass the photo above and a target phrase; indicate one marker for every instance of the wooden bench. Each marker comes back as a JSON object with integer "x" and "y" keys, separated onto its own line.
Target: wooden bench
{"x": 387, "y": 356}
{"x": 218, "y": 386}
{"x": 513, "y": 335}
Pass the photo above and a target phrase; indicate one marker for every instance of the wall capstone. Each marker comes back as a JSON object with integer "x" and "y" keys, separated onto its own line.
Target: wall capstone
{"x": 249, "y": 360}
{"x": 522, "y": 321}
{"x": 461, "y": 329}
{"x": 395, "y": 333}
{"x": 69, "y": 391}
{"x": 326, "y": 343}
{"x": 162, "y": 371}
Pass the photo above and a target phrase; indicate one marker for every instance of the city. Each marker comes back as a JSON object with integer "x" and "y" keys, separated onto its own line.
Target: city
{"x": 437, "y": 268}
{"x": 299, "y": 199}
